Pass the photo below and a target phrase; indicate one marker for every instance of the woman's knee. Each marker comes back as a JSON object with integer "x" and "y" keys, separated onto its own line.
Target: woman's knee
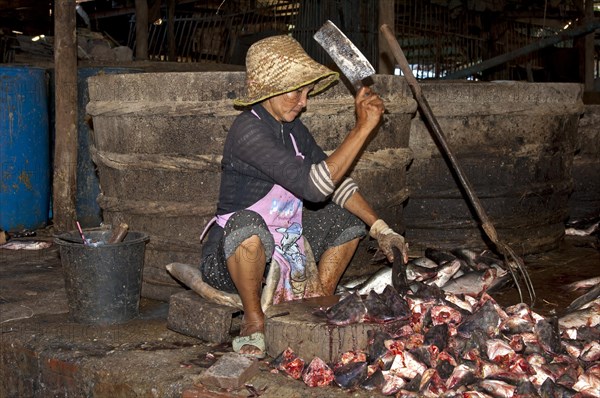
{"x": 251, "y": 249}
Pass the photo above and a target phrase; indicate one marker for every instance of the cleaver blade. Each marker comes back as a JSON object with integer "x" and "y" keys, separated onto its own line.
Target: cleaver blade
{"x": 352, "y": 63}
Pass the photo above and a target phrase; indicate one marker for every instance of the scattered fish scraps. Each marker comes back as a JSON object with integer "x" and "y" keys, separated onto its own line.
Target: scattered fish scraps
{"x": 26, "y": 245}
{"x": 456, "y": 345}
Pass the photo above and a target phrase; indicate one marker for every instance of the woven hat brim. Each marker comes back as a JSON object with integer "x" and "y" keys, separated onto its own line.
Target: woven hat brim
{"x": 322, "y": 81}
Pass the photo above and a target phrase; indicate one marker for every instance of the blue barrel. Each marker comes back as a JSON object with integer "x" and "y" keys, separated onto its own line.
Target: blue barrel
{"x": 24, "y": 148}
{"x": 87, "y": 209}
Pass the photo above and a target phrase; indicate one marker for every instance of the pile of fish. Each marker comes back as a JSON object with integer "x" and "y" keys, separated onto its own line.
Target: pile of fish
{"x": 446, "y": 344}
{"x": 457, "y": 271}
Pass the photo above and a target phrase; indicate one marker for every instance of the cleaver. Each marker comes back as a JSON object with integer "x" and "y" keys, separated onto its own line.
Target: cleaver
{"x": 352, "y": 63}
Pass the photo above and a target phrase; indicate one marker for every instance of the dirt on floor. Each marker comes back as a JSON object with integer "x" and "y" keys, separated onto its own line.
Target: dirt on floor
{"x": 43, "y": 353}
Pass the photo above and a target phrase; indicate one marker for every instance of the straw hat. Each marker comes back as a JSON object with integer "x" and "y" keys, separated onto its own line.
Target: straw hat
{"x": 279, "y": 64}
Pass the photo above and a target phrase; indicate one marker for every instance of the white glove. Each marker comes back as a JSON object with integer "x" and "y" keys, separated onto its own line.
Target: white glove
{"x": 387, "y": 238}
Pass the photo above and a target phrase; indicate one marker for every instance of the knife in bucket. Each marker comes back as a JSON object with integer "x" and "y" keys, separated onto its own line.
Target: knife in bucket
{"x": 352, "y": 63}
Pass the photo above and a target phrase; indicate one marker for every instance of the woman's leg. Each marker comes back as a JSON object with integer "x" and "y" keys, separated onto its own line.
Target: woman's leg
{"x": 246, "y": 267}
{"x": 333, "y": 263}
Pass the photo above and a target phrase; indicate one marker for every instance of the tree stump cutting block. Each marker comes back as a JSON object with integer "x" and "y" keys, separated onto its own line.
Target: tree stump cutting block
{"x": 310, "y": 335}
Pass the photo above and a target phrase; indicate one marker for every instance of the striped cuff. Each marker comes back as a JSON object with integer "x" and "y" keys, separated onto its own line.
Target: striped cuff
{"x": 344, "y": 191}
{"x": 321, "y": 178}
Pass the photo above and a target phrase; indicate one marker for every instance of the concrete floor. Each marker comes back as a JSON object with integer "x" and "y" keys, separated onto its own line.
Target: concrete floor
{"x": 44, "y": 354}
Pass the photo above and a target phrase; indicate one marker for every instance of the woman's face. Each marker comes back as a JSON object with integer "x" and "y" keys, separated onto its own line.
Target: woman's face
{"x": 286, "y": 107}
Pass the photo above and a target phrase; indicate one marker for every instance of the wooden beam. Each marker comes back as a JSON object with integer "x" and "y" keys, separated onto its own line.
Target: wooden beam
{"x": 141, "y": 30}
{"x": 589, "y": 49}
{"x": 546, "y": 42}
{"x": 65, "y": 152}
{"x": 171, "y": 30}
{"x": 385, "y": 65}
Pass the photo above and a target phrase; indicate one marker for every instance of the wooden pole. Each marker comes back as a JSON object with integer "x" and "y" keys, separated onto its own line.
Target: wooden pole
{"x": 385, "y": 65}
{"x": 65, "y": 152}
{"x": 589, "y": 48}
{"x": 141, "y": 30}
{"x": 171, "y": 30}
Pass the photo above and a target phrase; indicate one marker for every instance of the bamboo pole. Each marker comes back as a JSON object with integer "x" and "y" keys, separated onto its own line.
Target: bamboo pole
{"x": 65, "y": 152}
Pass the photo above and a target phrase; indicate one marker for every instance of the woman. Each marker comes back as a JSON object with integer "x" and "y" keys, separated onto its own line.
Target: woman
{"x": 278, "y": 186}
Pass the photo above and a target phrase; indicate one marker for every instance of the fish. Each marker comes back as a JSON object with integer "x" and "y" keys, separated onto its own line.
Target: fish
{"x": 575, "y": 231}
{"x": 393, "y": 383}
{"x": 418, "y": 273}
{"x": 548, "y": 334}
{"x": 377, "y": 346}
{"x": 445, "y": 273}
{"x": 582, "y": 284}
{"x": 424, "y": 262}
{"x": 351, "y": 375}
{"x": 26, "y": 245}
{"x": 377, "y": 310}
{"x": 590, "y": 352}
{"x": 584, "y": 299}
{"x": 350, "y": 309}
{"x": 378, "y": 281}
{"x": 437, "y": 336}
{"x": 290, "y": 363}
{"x": 486, "y": 319}
{"x": 396, "y": 303}
{"x": 375, "y": 381}
{"x": 583, "y": 317}
{"x": 317, "y": 373}
{"x": 463, "y": 374}
{"x": 497, "y": 388}
{"x": 472, "y": 283}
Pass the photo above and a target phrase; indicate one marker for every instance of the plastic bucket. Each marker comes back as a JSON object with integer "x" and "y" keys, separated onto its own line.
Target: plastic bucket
{"x": 24, "y": 148}
{"x": 103, "y": 283}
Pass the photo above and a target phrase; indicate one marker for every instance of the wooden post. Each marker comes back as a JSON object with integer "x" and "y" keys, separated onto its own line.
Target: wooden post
{"x": 65, "y": 152}
{"x": 141, "y": 30}
{"x": 385, "y": 65}
{"x": 589, "y": 48}
{"x": 171, "y": 30}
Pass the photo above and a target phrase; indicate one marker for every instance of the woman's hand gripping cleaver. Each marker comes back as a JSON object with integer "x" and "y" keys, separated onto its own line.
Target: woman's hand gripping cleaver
{"x": 352, "y": 63}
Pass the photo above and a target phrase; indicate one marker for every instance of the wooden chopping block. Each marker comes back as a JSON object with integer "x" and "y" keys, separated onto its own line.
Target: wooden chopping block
{"x": 310, "y": 335}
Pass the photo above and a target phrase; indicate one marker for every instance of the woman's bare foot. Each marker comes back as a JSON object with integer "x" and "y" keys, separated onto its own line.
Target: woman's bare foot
{"x": 249, "y": 327}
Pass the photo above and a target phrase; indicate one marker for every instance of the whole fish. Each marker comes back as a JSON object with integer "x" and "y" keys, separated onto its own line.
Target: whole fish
{"x": 26, "y": 245}
{"x": 378, "y": 281}
{"x": 445, "y": 273}
{"x": 472, "y": 283}
{"x": 573, "y": 231}
{"x": 585, "y": 317}
{"x": 424, "y": 262}
{"x": 418, "y": 273}
{"x": 584, "y": 299}
{"x": 583, "y": 284}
